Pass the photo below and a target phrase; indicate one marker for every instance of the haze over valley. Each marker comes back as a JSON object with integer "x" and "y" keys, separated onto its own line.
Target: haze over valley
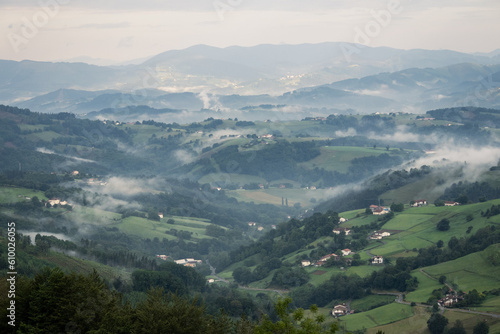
{"x": 242, "y": 167}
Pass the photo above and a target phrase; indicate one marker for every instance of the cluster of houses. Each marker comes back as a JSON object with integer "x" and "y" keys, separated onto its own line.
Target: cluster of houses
{"x": 340, "y": 230}
{"x": 450, "y": 300}
{"x": 96, "y": 181}
{"x": 259, "y": 228}
{"x": 321, "y": 262}
{"x": 190, "y": 262}
{"x": 319, "y": 118}
{"x": 419, "y": 202}
{"x": 340, "y": 310}
{"x": 379, "y": 210}
{"x": 378, "y": 235}
{"x": 377, "y": 260}
{"x": 422, "y": 202}
{"x": 55, "y": 201}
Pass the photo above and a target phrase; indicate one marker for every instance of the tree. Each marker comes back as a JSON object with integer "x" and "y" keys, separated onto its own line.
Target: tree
{"x": 443, "y": 225}
{"x": 442, "y": 279}
{"x": 440, "y": 244}
{"x": 55, "y": 302}
{"x": 437, "y": 323}
{"x": 462, "y": 199}
{"x": 481, "y": 328}
{"x": 242, "y": 275}
{"x": 458, "y": 328}
{"x": 397, "y": 207}
{"x": 169, "y": 313}
{"x": 294, "y": 323}
{"x": 439, "y": 202}
{"x": 214, "y": 231}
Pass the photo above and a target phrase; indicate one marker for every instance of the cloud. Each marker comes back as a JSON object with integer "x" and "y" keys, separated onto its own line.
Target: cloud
{"x": 126, "y": 42}
{"x": 184, "y": 156}
{"x": 104, "y": 25}
{"x": 123, "y": 186}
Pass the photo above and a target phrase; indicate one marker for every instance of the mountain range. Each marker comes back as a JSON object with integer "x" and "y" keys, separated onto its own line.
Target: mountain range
{"x": 312, "y": 78}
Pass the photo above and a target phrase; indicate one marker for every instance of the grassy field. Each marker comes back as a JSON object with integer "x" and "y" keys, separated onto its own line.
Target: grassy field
{"x": 417, "y": 324}
{"x": 369, "y": 302}
{"x": 44, "y": 136}
{"x": 229, "y": 178}
{"x": 379, "y": 316}
{"x": 411, "y": 325}
{"x": 15, "y": 194}
{"x": 363, "y": 219}
{"x": 95, "y": 216}
{"x": 425, "y": 287}
{"x": 418, "y": 226}
{"x": 479, "y": 270}
{"x": 31, "y": 127}
{"x": 72, "y": 264}
{"x": 491, "y": 304}
{"x": 142, "y": 227}
{"x": 422, "y": 189}
{"x": 338, "y": 158}
{"x": 145, "y": 228}
{"x": 306, "y": 198}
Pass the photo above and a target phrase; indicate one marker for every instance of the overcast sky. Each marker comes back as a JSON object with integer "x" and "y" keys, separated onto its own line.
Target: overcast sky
{"x": 128, "y": 29}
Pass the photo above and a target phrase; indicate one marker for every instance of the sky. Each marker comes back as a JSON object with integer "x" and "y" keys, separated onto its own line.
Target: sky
{"x": 122, "y": 30}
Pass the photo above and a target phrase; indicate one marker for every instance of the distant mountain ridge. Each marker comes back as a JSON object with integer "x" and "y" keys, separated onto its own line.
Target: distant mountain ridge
{"x": 317, "y": 76}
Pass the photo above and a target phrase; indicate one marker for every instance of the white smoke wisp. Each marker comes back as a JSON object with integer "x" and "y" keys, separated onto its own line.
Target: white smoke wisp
{"x": 402, "y": 134}
{"x": 342, "y": 189}
{"x": 211, "y": 102}
{"x": 347, "y": 133}
{"x": 78, "y": 159}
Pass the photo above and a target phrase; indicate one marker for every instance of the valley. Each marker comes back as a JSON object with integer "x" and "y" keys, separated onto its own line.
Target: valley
{"x": 257, "y": 203}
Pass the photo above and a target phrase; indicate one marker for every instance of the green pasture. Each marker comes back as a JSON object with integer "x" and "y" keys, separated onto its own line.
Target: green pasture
{"x": 274, "y": 196}
{"x": 491, "y": 304}
{"x": 361, "y": 271}
{"x": 231, "y": 178}
{"x": 146, "y": 228}
{"x": 352, "y": 214}
{"x": 371, "y": 301}
{"x": 43, "y": 136}
{"x": 31, "y": 127}
{"x": 94, "y": 215}
{"x": 417, "y": 324}
{"x": 288, "y": 128}
{"x": 470, "y": 320}
{"x": 17, "y": 194}
{"x": 425, "y": 287}
{"x": 479, "y": 270}
{"x": 189, "y": 221}
{"x": 363, "y": 219}
{"x": 418, "y": 226}
{"x": 421, "y": 189}
{"x": 338, "y": 158}
{"x": 73, "y": 264}
{"x": 379, "y": 316}
{"x": 317, "y": 280}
